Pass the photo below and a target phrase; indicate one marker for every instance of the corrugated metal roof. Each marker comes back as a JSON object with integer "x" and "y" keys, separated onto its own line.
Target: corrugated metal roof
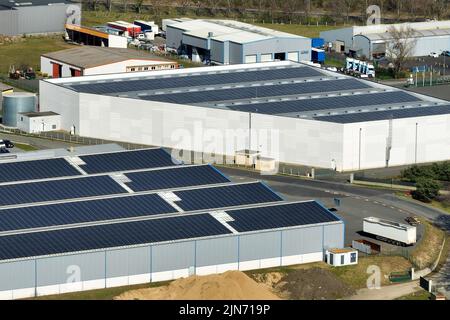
{"x": 92, "y": 56}
{"x": 417, "y": 34}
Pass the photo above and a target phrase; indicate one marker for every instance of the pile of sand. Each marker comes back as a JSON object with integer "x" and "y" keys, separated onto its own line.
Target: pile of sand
{"x": 231, "y": 285}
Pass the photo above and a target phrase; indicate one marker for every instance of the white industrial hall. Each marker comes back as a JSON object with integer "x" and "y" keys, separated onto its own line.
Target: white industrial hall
{"x": 288, "y": 111}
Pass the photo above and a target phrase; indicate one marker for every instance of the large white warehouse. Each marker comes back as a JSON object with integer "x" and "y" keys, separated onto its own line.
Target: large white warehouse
{"x": 93, "y": 221}
{"x": 285, "y": 110}
{"x": 374, "y": 40}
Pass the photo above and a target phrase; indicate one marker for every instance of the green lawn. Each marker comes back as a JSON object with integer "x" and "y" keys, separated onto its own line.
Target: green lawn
{"x": 93, "y": 18}
{"x": 419, "y": 295}
{"x": 25, "y": 147}
{"x": 28, "y": 51}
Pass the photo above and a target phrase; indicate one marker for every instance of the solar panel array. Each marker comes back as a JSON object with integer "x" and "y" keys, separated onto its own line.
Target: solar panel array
{"x": 132, "y": 160}
{"x": 195, "y": 80}
{"x": 146, "y": 198}
{"x": 258, "y": 91}
{"x": 182, "y": 176}
{"x": 37, "y": 169}
{"x": 387, "y": 114}
{"x": 338, "y": 102}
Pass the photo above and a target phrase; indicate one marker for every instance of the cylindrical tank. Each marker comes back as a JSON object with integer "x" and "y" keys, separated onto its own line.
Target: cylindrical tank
{"x": 16, "y": 102}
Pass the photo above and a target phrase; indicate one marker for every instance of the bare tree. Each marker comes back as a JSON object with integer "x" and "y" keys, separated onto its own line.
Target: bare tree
{"x": 400, "y": 47}
{"x": 125, "y": 5}
{"x": 139, "y": 4}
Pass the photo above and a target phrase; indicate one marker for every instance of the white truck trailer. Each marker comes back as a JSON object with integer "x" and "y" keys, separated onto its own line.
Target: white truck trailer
{"x": 389, "y": 231}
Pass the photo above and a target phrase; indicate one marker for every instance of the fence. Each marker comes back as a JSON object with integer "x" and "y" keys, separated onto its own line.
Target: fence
{"x": 67, "y": 137}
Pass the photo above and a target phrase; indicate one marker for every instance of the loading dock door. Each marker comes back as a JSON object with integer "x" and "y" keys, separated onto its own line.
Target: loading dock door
{"x": 265, "y": 57}
{"x": 57, "y": 70}
{"x": 293, "y": 56}
{"x": 251, "y": 58}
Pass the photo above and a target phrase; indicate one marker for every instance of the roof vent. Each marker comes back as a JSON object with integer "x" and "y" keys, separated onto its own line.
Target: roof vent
{"x": 210, "y": 34}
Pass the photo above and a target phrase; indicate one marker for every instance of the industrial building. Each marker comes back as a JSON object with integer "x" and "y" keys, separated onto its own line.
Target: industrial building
{"x": 288, "y": 111}
{"x": 91, "y": 60}
{"x": 37, "y": 16}
{"x": 374, "y": 40}
{"x": 101, "y": 37}
{"x": 226, "y": 42}
{"x": 15, "y": 103}
{"x": 84, "y": 222}
{"x": 35, "y": 122}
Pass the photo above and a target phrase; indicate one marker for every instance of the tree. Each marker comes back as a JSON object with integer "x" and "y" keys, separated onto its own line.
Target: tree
{"x": 400, "y": 47}
{"x": 139, "y": 4}
{"x": 426, "y": 190}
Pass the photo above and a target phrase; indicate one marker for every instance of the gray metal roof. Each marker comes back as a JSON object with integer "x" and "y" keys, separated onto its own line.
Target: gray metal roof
{"x": 92, "y": 56}
{"x": 386, "y": 36}
{"x": 39, "y": 114}
{"x": 8, "y": 4}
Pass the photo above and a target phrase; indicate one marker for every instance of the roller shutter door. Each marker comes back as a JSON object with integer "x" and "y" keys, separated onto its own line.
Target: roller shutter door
{"x": 265, "y": 57}
{"x": 250, "y": 58}
{"x": 293, "y": 56}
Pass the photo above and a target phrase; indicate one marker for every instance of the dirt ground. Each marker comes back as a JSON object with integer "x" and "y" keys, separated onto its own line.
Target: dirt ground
{"x": 305, "y": 284}
{"x": 231, "y": 285}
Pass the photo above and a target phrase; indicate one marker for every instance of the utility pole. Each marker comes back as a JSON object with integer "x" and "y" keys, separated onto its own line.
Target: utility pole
{"x": 415, "y": 146}
{"x": 359, "y": 157}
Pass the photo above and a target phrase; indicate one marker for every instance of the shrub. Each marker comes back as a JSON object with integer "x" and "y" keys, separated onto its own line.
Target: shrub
{"x": 426, "y": 190}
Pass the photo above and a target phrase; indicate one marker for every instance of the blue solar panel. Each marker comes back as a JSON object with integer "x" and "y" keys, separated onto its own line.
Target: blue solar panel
{"x": 195, "y": 80}
{"x": 258, "y": 91}
{"x": 83, "y": 211}
{"x": 58, "y": 190}
{"x": 181, "y": 176}
{"x": 128, "y": 160}
{"x": 226, "y": 196}
{"x": 339, "y": 102}
{"x": 109, "y": 236}
{"x": 387, "y": 114}
{"x": 36, "y": 169}
{"x": 280, "y": 216}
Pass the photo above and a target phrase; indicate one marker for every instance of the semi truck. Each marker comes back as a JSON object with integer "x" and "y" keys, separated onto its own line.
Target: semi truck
{"x": 390, "y": 231}
{"x": 359, "y": 68}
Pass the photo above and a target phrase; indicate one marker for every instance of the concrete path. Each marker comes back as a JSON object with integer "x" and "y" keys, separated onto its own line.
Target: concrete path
{"x": 387, "y": 292}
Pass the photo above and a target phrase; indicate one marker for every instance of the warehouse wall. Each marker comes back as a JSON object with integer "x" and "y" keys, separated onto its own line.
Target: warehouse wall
{"x": 151, "y": 263}
{"x": 174, "y": 37}
{"x": 42, "y": 19}
{"x": 433, "y": 135}
{"x": 345, "y": 34}
{"x": 217, "y": 52}
{"x": 275, "y": 45}
{"x": 9, "y": 22}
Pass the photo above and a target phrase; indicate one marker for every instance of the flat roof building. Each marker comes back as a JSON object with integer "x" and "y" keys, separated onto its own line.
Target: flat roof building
{"x": 233, "y": 42}
{"x": 37, "y": 16}
{"x": 91, "y": 60}
{"x": 131, "y": 217}
{"x": 374, "y": 40}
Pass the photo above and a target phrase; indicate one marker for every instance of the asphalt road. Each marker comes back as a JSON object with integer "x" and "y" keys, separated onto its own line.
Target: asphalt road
{"x": 356, "y": 202}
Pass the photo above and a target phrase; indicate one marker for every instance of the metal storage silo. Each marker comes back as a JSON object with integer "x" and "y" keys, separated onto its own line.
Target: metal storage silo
{"x": 16, "y": 102}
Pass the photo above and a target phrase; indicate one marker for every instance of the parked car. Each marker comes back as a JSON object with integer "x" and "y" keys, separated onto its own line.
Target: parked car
{"x": 433, "y": 55}
{"x": 6, "y": 143}
{"x": 446, "y": 53}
